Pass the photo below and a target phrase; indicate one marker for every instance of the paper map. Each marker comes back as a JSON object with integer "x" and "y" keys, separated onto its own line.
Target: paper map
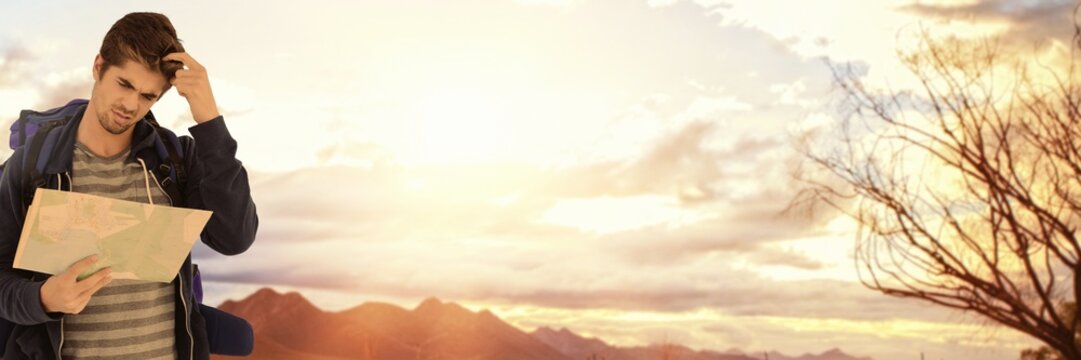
{"x": 138, "y": 240}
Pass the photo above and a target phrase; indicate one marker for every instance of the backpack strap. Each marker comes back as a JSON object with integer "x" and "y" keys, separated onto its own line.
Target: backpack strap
{"x": 33, "y": 131}
{"x": 170, "y": 172}
{"x": 36, "y": 157}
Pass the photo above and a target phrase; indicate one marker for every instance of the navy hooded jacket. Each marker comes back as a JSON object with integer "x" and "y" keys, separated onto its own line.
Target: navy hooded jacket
{"x": 216, "y": 181}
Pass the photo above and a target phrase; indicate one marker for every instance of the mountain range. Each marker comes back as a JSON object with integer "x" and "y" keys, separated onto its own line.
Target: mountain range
{"x": 288, "y": 326}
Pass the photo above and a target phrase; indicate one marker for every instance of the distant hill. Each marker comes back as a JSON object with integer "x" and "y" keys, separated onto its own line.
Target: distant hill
{"x": 578, "y": 347}
{"x": 288, "y": 326}
{"x": 832, "y": 354}
{"x": 433, "y": 330}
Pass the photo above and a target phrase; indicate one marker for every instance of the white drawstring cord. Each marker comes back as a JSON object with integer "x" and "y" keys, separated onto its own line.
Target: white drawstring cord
{"x": 157, "y": 183}
{"x": 146, "y": 179}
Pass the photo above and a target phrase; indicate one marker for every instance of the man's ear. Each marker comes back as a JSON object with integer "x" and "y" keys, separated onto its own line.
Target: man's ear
{"x": 98, "y": 62}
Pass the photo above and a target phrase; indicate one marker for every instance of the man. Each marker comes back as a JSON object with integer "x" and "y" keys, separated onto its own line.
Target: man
{"x": 108, "y": 149}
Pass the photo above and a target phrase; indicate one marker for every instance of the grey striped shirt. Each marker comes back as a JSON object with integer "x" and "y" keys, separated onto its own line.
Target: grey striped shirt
{"x": 127, "y": 319}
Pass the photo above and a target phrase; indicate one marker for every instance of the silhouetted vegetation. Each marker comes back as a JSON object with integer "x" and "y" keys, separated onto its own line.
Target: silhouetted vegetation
{"x": 967, "y": 192}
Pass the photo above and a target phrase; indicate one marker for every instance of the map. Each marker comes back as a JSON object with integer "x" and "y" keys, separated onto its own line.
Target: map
{"x": 139, "y": 241}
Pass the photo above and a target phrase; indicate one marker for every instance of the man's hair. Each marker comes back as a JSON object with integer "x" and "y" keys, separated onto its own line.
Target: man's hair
{"x": 142, "y": 37}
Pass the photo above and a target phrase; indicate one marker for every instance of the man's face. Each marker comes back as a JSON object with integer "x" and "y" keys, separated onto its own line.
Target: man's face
{"x": 124, "y": 94}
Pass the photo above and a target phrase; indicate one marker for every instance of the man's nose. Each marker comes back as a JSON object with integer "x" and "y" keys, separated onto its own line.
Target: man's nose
{"x": 130, "y": 103}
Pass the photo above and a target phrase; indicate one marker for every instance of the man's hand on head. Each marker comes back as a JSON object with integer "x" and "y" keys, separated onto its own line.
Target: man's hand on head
{"x": 194, "y": 85}
{"x": 65, "y": 293}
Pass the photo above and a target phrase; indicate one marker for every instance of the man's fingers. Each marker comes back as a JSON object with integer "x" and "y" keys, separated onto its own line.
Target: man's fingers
{"x": 183, "y": 74}
{"x": 75, "y": 269}
{"x": 190, "y": 73}
{"x": 95, "y": 286}
{"x": 183, "y": 82}
{"x": 185, "y": 59}
{"x": 92, "y": 280}
{"x": 177, "y": 56}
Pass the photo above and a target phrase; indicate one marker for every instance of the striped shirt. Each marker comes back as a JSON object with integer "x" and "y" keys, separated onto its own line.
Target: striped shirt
{"x": 127, "y": 319}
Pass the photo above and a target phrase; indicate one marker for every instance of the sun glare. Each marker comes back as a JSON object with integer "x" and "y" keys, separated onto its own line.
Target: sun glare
{"x": 458, "y": 126}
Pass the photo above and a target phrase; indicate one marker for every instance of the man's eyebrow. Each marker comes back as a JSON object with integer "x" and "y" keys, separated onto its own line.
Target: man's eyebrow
{"x": 127, "y": 83}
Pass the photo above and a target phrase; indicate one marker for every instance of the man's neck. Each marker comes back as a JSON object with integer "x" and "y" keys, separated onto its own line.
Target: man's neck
{"x": 100, "y": 141}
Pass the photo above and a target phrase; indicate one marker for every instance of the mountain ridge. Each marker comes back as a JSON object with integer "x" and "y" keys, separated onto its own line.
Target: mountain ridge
{"x": 288, "y": 326}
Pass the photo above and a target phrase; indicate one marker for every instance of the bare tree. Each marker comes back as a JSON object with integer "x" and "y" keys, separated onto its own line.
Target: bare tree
{"x": 967, "y": 191}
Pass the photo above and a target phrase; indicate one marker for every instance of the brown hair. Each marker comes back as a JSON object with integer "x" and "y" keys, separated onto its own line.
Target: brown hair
{"x": 145, "y": 38}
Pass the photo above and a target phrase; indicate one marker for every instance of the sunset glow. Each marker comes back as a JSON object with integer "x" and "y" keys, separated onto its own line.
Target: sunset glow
{"x": 617, "y": 168}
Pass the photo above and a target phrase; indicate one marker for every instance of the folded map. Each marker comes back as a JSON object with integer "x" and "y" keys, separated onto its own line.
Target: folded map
{"x": 138, "y": 240}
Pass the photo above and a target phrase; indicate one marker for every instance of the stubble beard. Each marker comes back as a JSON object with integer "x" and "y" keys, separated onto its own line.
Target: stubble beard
{"x": 106, "y": 120}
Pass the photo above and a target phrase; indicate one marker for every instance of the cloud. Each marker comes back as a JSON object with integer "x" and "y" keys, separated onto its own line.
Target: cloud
{"x": 386, "y": 219}
{"x": 59, "y": 88}
{"x": 731, "y": 235}
{"x": 21, "y": 71}
{"x": 554, "y": 3}
{"x": 734, "y": 335}
{"x": 742, "y": 190}
{"x": 1030, "y": 23}
{"x": 688, "y": 164}
{"x": 305, "y": 276}
{"x": 566, "y": 284}
{"x": 678, "y": 164}
{"x": 15, "y": 61}
{"x": 376, "y": 239}
{"x": 360, "y": 222}
{"x": 359, "y": 154}
{"x": 787, "y": 258}
{"x": 661, "y": 3}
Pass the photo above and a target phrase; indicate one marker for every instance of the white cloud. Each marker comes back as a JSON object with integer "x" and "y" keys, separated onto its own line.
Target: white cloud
{"x": 708, "y": 108}
{"x": 661, "y": 3}
{"x": 610, "y": 215}
{"x": 556, "y": 3}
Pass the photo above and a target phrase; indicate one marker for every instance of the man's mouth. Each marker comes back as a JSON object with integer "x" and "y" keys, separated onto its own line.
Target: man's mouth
{"x": 121, "y": 115}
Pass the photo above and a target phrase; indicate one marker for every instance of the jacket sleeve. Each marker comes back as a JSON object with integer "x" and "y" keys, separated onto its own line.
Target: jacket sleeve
{"x": 217, "y": 181}
{"x": 20, "y": 297}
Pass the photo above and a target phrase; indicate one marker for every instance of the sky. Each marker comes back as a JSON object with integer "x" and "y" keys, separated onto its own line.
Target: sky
{"x": 615, "y": 167}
